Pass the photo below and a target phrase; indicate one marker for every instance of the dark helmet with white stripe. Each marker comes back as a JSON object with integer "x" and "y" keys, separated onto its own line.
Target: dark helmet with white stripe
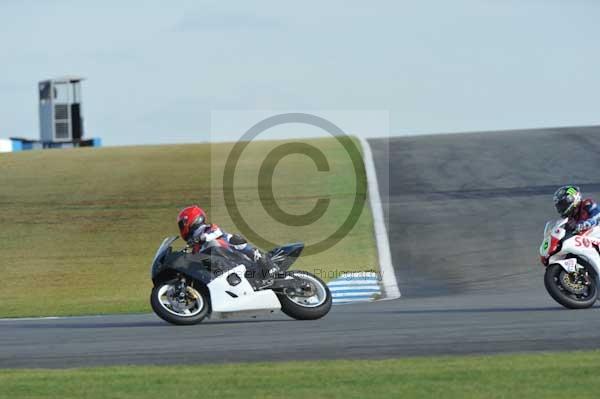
{"x": 566, "y": 200}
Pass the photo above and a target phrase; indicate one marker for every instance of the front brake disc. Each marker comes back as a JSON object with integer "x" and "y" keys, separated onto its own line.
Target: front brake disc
{"x": 570, "y": 283}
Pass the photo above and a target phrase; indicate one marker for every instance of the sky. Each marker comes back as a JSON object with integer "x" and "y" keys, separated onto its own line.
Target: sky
{"x": 158, "y": 70}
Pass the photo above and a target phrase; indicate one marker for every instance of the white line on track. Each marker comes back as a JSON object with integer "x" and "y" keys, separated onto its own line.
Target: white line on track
{"x": 388, "y": 274}
{"x": 38, "y": 318}
{"x": 42, "y": 318}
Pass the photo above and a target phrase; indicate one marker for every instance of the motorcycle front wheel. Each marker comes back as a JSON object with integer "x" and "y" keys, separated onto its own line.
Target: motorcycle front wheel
{"x": 181, "y": 308}
{"x": 307, "y": 307}
{"x": 566, "y": 290}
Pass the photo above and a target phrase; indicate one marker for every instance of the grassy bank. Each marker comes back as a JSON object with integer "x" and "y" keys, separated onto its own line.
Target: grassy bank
{"x": 78, "y": 228}
{"x": 569, "y": 374}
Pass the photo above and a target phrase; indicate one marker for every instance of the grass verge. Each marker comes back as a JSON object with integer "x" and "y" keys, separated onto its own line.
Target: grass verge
{"x": 549, "y": 375}
{"x": 79, "y": 227}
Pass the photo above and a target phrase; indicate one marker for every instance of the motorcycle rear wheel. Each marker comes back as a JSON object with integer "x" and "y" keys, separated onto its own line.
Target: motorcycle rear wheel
{"x": 552, "y": 281}
{"x": 307, "y": 308}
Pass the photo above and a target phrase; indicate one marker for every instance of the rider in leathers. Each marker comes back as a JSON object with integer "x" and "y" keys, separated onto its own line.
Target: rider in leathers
{"x": 196, "y": 231}
{"x": 583, "y": 214}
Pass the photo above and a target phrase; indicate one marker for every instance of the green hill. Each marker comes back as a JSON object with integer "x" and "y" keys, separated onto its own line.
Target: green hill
{"x": 79, "y": 227}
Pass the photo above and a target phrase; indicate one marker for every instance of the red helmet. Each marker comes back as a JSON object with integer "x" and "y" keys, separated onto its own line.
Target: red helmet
{"x": 189, "y": 219}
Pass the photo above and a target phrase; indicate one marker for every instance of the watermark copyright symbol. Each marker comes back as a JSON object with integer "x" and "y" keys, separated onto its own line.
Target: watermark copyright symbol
{"x": 267, "y": 170}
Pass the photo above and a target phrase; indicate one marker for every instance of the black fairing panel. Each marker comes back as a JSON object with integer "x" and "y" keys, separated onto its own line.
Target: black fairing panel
{"x": 200, "y": 266}
{"x": 205, "y": 266}
{"x": 285, "y": 255}
{"x": 196, "y": 266}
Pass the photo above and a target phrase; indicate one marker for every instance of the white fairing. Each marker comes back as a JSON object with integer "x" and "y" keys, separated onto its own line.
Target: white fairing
{"x": 247, "y": 298}
{"x": 583, "y": 246}
{"x": 570, "y": 265}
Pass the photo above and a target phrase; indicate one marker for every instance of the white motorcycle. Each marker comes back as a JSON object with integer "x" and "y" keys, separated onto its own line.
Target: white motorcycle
{"x": 190, "y": 287}
{"x": 572, "y": 263}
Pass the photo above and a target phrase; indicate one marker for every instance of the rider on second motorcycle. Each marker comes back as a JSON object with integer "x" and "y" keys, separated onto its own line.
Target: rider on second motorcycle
{"x": 196, "y": 231}
{"x": 583, "y": 214}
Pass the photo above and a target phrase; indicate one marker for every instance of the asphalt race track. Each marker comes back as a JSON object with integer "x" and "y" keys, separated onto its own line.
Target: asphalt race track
{"x": 465, "y": 214}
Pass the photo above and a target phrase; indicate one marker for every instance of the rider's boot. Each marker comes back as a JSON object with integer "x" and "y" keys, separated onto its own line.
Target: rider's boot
{"x": 268, "y": 271}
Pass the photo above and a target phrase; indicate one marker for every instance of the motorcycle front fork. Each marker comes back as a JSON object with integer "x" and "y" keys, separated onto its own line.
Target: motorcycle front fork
{"x": 181, "y": 289}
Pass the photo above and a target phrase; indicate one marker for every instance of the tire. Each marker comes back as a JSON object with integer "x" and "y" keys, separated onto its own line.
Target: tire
{"x": 200, "y": 311}
{"x": 308, "y": 311}
{"x": 564, "y": 297}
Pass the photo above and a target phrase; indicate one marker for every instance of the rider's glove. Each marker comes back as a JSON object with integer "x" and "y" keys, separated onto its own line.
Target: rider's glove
{"x": 583, "y": 226}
